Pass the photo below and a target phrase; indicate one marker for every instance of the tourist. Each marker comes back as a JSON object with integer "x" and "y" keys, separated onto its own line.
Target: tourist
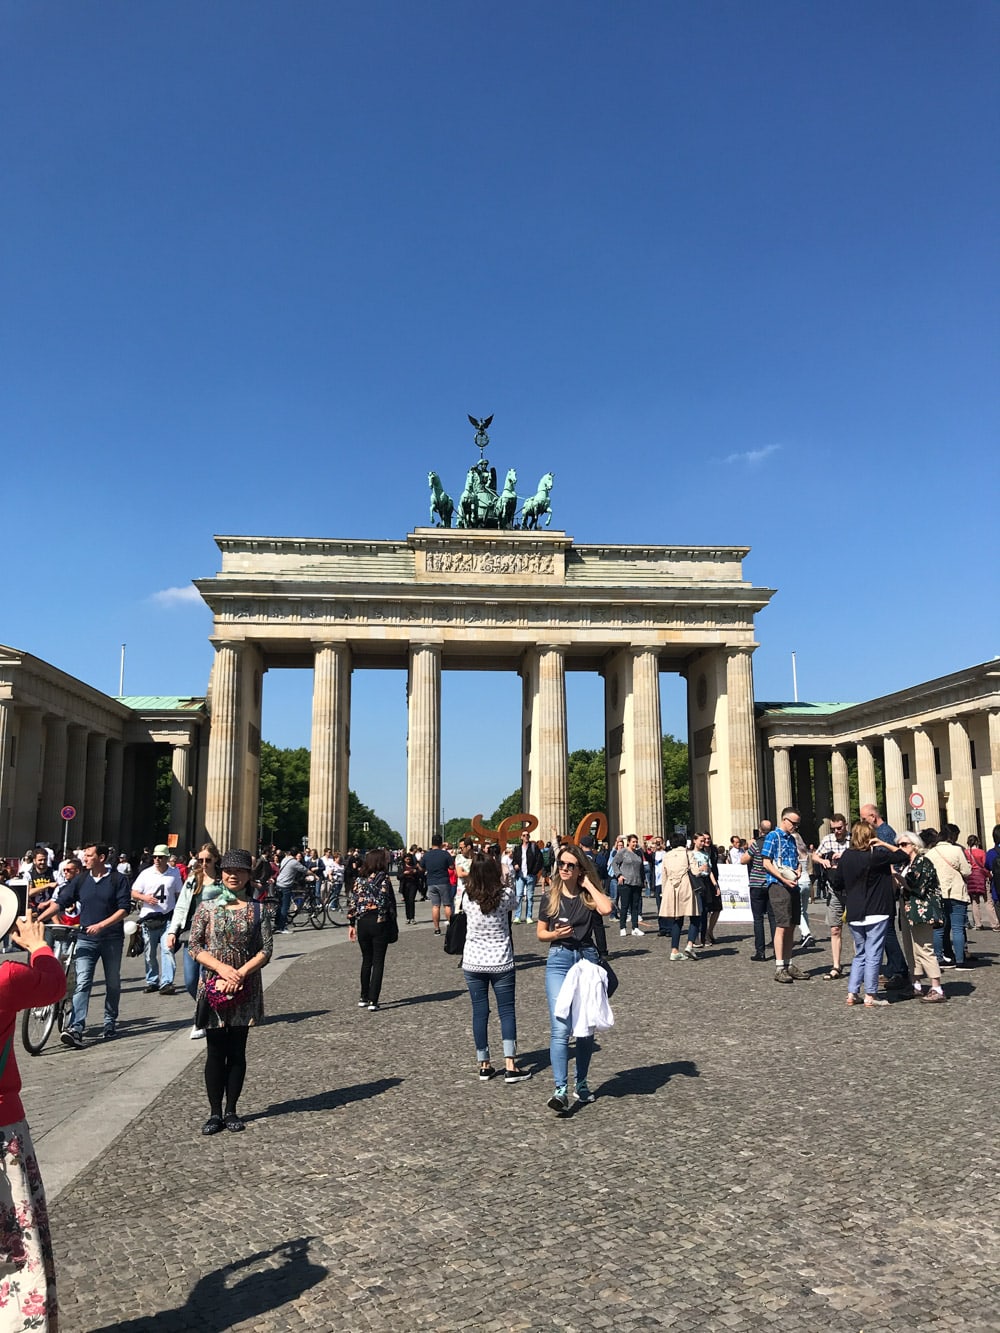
{"x": 28, "y": 1271}
{"x": 230, "y": 942}
{"x": 831, "y": 848}
{"x": 983, "y": 915}
{"x": 411, "y": 878}
{"x": 760, "y": 899}
{"x": 437, "y": 863}
{"x": 863, "y": 879}
{"x": 292, "y": 877}
{"x": 488, "y": 961}
{"x": 371, "y": 916}
{"x": 104, "y": 901}
{"x": 780, "y": 860}
{"x": 952, "y": 871}
{"x": 528, "y": 865}
{"x": 201, "y": 886}
{"x": 678, "y": 899}
{"x": 711, "y": 896}
{"x": 922, "y": 911}
{"x": 157, "y": 889}
{"x": 629, "y": 870}
{"x": 895, "y": 962}
{"x": 570, "y": 923}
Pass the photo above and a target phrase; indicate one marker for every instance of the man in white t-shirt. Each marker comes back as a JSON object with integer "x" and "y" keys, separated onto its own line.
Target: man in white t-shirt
{"x": 157, "y": 889}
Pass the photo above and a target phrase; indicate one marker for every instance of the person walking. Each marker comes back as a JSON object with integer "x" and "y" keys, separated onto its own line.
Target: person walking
{"x": 983, "y": 915}
{"x": 488, "y": 962}
{"x": 104, "y": 901}
{"x": 156, "y": 890}
{"x": 678, "y": 899}
{"x": 629, "y": 870}
{"x": 27, "y": 1266}
{"x": 230, "y": 942}
{"x": 371, "y": 920}
{"x": 569, "y": 923}
{"x": 204, "y": 884}
{"x": 411, "y": 877}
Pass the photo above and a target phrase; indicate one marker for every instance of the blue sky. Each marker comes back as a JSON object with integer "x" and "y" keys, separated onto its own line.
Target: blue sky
{"x": 729, "y": 270}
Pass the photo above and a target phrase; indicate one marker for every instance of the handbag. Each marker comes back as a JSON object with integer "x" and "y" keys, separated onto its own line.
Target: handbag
{"x": 454, "y": 935}
{"x": 218, "y": 999}
{"x": 601, "y": 944}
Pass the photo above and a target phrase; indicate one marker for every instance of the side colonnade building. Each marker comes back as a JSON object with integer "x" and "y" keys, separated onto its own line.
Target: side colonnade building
{"x": 940, "y": 740}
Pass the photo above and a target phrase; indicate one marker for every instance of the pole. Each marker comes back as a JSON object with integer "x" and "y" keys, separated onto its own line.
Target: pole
{"x": 795, "y": 681}
{"x": 121, "y": 675}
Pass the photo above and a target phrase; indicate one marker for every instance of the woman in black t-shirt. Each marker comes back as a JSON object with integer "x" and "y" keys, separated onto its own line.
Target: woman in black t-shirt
{"x": 567, "y": 918}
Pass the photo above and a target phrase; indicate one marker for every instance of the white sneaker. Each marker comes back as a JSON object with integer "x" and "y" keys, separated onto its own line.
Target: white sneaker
{"x": 623, "y": 933}
{"x": 197, "y": 1034}
{"x": 637, "y": 931}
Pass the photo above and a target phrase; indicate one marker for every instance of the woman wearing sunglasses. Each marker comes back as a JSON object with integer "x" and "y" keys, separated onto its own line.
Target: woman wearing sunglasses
{"x": 568, "y": 918}
{"x": 204, "y": 884}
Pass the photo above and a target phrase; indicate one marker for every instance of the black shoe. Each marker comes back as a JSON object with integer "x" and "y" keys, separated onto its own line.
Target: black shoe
{"x": 168, "y": 989}
{"x": 233, "y": 1123}
{"x": 967, "y": 966}
{"x": 438, "y": 931}
{"x": 213, "y": 1125}
{"x": 486, "y": 1072}
{"x": 516, "y": 1075}
{"x": 109, "y": 1034}
{"x": 558, "y": 1102}
{"x": 71, "y": 1038}
{"x": 150, "y": 989}
{"x": 758, "y": 958}
{"x": 808, "y": 943}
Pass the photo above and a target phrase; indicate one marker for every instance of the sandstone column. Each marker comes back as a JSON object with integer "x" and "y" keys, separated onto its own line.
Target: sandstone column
{"x": 895, "y": 788}
{"x": 76, "y": 781}
{"x": 962, "y": 802}
{"x": 821, "y": 781}
{"x": 113, "y": 783}
{"x": 222, "y": 812}
{"x": 643, "y": 743}
{"x": 550, "y": 724}
{"x": 53, "y": 796}
{"x": 866, "y": 775}
{"x": 423, "y": 745}
{"x": 927, "y": 783}
{"x": 6, "y": 777}
{"x": 782, "y": 780}
{"x": 180, "y": 793}
{"x": 328, "y": 766}
{"x": 994, "y": 726}
{"x": 96, "y": 756}
{"x": 28, "y": 772}
{"x": 841, "y": 785}
{"x": 744, "y": 797}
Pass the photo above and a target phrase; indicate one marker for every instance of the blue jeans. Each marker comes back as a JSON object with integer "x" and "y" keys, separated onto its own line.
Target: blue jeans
{"x": 525, "y": 885}
{"x": 479, "y": 990}
{"x": 955, "y": 914}
{"x": 869, "y": 941}
{"x": 108, "y": 948}
{"x": 559, "y": 962}
{"x": 158, "y": 958}
{"x": 284, "y": 905}
{"x": 895, "y": 960}
{"x": 671, "y": 925}
{"x": 192, "y": 973}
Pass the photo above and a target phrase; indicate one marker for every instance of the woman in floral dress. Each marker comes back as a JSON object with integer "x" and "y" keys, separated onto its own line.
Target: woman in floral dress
{"x": 27, "y": 1272}
{"x": 230, "y": 942}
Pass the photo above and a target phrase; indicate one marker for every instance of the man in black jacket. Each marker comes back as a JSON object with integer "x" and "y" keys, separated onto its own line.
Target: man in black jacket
{"x": 528, "y": 863}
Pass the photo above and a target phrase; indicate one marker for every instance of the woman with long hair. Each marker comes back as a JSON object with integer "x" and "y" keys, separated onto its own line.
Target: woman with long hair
{"x": 863, "y": 879}
{"x": 204, "y": 884}
{"x": 488, "y": 961}
{"x": 568, "y": 917}
{"x": 371, "y": 919}
{"x": 411, "y": 877}
{"x": 230, "y": 942}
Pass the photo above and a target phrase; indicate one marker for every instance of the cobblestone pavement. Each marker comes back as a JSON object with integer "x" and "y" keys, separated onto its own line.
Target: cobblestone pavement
{"x": 758, "y": 1155}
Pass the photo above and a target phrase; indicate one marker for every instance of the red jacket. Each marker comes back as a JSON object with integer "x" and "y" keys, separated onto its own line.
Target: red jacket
{"x": 41, "y": 981}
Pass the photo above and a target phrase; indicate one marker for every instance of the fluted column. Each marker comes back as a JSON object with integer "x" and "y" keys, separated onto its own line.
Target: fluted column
{"x": 328, "y": 765}
{"x": 76, "y": 781}
{"x": 895, "y": 787}
{"x": 962, "y": 802}
{"x": 28, "y": 771}
{"x": 927, "y": 782}
{"x": 96, "y": 755}
{"x": 223, "y": 780}
{"x": 6, "y": 775}
{"x": 821, "y": 782}
{"x": 53, "y": 796}
{"x": 423, "y": 745}
{"x": 841, "y": 784}
{"x": 782, "y": 779}
{"x": 867, "y": 791}
{"x": 744, "y": 797}
{"x": 993, "y": 719}
{"x": 180, "y": 793}
{"x": 113, "y": 783}
{"x": 645, "y": 748}
{"x": 550, "y": 721}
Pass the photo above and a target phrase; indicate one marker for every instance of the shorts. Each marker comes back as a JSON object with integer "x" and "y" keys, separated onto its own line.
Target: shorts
{"x": 786, "y": 904}
{"x": 835, "y": 909}
{"x": 440, "y": 895}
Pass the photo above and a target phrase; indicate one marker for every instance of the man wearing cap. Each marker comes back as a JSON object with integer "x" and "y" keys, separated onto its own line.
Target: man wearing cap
{"x": 104, "y": 902}
{"x": 157, "y": 889}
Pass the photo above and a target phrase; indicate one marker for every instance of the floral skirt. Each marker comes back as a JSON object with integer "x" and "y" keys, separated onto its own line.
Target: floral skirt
{"x": 27, "y": 1270}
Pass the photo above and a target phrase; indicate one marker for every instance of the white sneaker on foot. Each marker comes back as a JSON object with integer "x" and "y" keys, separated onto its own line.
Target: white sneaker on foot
{"x": 197, "y": 1033}
{"x": 623, "y": 932}
{"x": 636, "y": 931}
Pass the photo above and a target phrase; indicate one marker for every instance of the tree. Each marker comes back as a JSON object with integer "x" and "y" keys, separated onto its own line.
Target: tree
{"x": 676, "y": 784}
{"x": 284, "y": 804}
{"x": 456, "y": 828}
{"x": 378, "y": 832}
{"x": 511, "y": 805}
{"x": 587, "y": 785}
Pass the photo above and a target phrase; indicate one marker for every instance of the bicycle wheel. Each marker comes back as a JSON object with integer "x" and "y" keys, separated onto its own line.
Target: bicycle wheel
{"x": 36, "y": 1027}
{"x": 317, "y": 911}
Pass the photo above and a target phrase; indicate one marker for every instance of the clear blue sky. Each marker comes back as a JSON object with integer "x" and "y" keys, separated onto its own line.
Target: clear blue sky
{"x": 729, "y": 270}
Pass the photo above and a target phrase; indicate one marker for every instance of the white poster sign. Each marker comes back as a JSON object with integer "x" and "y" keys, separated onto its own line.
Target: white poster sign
{"x": 734, "y": 884}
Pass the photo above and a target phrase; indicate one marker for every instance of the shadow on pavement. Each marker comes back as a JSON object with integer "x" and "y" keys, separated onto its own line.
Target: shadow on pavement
{"x": 646, "y": 1078}
{"x": 424, "y": 999}
{"x": 298, "y": 1016}
{"x": 216, "y": 1301}
{"x": 327, "y": 1101}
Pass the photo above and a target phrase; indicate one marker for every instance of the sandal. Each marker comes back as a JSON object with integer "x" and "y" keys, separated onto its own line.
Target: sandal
{"x": 852, "y": 998}
{"x": 834, "y": 974}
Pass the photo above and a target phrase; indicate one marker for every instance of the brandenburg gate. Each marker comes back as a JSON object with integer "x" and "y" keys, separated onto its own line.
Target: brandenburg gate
{"x": 529, "y": 601}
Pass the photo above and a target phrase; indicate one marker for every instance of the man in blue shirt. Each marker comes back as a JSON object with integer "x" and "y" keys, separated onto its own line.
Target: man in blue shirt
{"x": 104, "y": 900}
{"x": 780, "y": 858}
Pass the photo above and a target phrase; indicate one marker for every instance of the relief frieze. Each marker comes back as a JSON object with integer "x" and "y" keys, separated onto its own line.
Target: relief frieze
{"x": 489, "y": 562}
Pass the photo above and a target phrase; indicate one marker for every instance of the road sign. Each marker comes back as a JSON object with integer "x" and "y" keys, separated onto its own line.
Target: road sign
{"x": 916, "y": 801}
{"x": 67, "y": 812}
{"x": 919, "y": 816}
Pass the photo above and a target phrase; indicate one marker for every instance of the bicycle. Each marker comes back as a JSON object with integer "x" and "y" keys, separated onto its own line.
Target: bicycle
{"x": 313, "y": 901}
{"x": 37, "y": 1024}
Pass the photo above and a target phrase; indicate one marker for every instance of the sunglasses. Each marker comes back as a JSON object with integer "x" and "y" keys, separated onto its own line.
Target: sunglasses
{"x": 569, "y": 865}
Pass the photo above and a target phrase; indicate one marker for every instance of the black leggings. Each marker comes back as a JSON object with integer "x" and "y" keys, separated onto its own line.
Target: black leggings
{"x": 374, "y": 941}
{"x": 629, "y": 901}
{"x": 225, "y": 1066}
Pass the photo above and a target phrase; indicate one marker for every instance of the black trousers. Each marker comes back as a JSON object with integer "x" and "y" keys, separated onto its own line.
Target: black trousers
{"x": 374, "y": 940}
{"x": 760, "y": 906}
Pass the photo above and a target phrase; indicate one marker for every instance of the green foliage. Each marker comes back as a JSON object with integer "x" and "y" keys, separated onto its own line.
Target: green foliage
{"x": 284, "y": 804}
{"x": 510, "y": 806}
{"x": 676, "y": 784}
{"x": 456, "y": 828}
{"x": 161, "y": 792}
{"x": 587, "y": 786}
